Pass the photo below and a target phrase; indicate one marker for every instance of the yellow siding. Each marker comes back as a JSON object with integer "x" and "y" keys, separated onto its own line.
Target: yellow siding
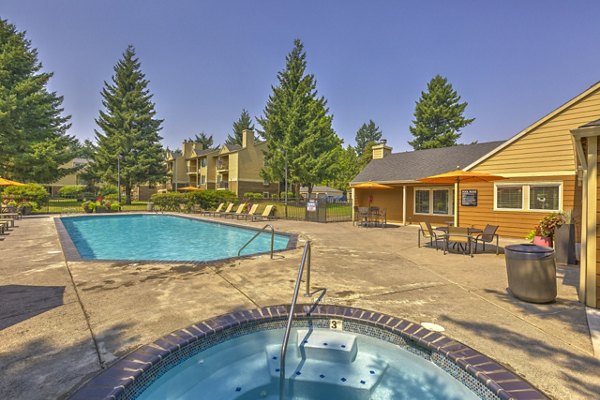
{"x": 513, "y": 223}
{"x": 251, "y": 161}
{"x": 548, "y": 147}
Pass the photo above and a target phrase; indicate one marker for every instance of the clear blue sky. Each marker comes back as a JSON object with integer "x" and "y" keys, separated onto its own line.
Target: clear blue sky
{"x": 512, "y": 61}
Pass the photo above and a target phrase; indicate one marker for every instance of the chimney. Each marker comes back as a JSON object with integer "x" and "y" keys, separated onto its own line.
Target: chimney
{"x": 381, "y": 150}
{"x": 247, "y": 138}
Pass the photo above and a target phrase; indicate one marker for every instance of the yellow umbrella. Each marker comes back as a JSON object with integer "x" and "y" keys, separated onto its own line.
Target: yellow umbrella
{"x": 371, "y": 185}
{"x": 459, "y": 176}
{"x": 189, "y": 188}
{"x": 8, "y": 182}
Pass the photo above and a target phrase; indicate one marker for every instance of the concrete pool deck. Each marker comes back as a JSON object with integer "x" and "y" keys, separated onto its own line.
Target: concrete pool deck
{"x": 60, "y": 322}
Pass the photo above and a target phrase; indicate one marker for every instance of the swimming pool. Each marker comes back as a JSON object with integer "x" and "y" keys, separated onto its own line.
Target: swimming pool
{"x": 145, "y": 237}
{"x": 370, "y": 356}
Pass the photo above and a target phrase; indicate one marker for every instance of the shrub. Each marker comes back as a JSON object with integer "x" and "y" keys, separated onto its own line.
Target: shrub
{"x": 209, "y": 199}
{"x": 31, "y": 192}
{"x": 112, "y": 197}
{"x": 115, "y": 207}
{"x": 72, "y": 191}
{"x": 253, "y": 196}
{"x": 170, "y": 201}
{"x": 107, "y": 190}
{"x": 290, "y": 195}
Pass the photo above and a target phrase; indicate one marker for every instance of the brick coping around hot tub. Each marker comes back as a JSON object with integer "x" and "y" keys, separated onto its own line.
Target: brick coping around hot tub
{"x": 117, "y": 381}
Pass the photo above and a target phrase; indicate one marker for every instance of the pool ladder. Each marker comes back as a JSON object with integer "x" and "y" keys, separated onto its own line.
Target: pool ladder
{"x": 255, "y": 236}
{"x": 286, "y": 337}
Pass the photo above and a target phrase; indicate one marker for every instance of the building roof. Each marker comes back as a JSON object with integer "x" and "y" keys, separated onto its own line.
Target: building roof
{"x": 200, "y": 153}
{"x": 591, "y": 124}
{"x": 412, "y": 165}
{"x": 321, "y": 189}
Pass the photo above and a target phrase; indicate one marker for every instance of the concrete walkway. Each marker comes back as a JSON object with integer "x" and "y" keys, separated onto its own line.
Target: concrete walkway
{"x": 61, "y": 322}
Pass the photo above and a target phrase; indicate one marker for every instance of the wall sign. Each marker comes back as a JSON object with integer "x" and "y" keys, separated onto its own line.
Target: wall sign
{"x": 468, "y": 198}
{"x": 311, "y": 206}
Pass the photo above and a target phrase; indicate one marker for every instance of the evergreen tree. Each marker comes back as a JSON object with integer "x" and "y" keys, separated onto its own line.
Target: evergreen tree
{"x": 244, "y": 122}
{"x": 297, "y": 127}
{"x": 128, "y": 129}
{"x": 366, "y": 157}
{"x": 348, "y": 167}
{"x": 33, "y": 140}
{"x": 206, "y": 140}
{"x": 438, "y": 116}
{"x": 368, "y": 132}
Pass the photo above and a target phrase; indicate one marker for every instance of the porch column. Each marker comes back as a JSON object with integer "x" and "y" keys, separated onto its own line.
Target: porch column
{"x": 590, "y": 222}
{"x": 455, "y": 204}
{"x": 353, "y": 191}
{"x": 403, "y": 204}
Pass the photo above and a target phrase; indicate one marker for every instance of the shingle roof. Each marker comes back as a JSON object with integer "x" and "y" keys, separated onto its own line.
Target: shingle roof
{"x": 412, "y": 165}
{"x": 591, "y": 124}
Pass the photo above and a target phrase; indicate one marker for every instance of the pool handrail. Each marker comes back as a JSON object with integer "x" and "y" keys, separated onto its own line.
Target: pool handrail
{"x": 286, "y": 337}
{"x": 255, "y": 236}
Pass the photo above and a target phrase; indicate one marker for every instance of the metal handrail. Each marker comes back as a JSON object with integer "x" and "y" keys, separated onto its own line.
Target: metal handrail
{"x": 305, "y": 260}
{"x": 255, "y": 236}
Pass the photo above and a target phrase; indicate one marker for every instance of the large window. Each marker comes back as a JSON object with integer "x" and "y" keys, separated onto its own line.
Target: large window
{"x": 509, "y": 197}
{"x": 202, "y": 179}
{"x": 203, "y": 162}
{"x": 431, "y": 201}
{"x": 528, "y": 197}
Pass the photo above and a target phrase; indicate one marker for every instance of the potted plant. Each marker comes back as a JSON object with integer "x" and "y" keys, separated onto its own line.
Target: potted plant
{"x": 564, "y": 239}
{"x": 25, "y": 207}
{"x": 543, "y": 233}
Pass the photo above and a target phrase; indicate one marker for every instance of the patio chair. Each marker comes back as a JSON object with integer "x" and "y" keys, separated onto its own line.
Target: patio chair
{"x": 487, "y": 236}
{"x": 239, "y": 211}
{"x": 460, "y": 239}
{"x": 250, "y": 213}
{"x": 266, "y": 214}
{"x": 363, "y": 216}
{"x": 218, "y": 210}
{"x": 427, "y": 232}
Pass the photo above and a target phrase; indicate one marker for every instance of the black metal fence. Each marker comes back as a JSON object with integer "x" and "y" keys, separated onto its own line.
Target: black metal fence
{"x": 317, "y": 210}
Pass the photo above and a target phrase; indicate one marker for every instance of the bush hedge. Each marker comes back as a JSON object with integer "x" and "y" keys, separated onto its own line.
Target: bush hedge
{"x": 72, "y": 191}
{"x": 205, "y": 199}
{"x": 31, "y": 192}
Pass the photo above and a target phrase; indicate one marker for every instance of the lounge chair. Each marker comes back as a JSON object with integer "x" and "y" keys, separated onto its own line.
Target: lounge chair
{"x": 218, "y": 210}
{"x": 266, "y": 214}
{"x": 487, "y": 236}
{"x": 460, "y": 238}
{"x": 427, "y": 232}
{"x": 239, "y": 211}
{"x": 227, "y": 211}
{"x": 7, "y": 222}
{"x": 250, "y": 213}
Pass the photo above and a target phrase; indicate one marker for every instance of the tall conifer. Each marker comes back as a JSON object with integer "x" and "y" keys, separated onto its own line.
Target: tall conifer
{"x": 438, "y": 116}
{"x": 297, "y": 127}
{"x": 128, "y": 129}
{"x": 33, "y": 139}
{"x": 244, "y": 122}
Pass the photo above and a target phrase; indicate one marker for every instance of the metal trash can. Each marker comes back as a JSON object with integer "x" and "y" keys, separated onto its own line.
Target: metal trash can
{"x": 150, "y": 206}
{"x": 531, "y": 271}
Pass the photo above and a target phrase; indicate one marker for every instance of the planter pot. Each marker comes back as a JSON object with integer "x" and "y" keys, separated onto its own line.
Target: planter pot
{"x": 545, "y": 241}
{"x": 100, "y": 211}
{"x": 26, "y": 210}
{"x": 564, "y": 244}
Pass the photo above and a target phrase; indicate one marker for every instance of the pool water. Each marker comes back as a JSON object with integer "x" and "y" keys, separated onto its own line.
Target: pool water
{"x": 321, "y": 365}
{"x": 163, "y": 238}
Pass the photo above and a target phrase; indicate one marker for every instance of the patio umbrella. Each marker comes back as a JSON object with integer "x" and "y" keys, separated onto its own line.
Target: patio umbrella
{"x": 8, "y": 182}
{"x": 188, "y": 188}
{"x": 459, "y": 176}
{"x": 372, "y": 186}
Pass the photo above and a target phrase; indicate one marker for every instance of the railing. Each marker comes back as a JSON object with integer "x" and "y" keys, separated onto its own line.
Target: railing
{"x": 255, "y": 236}
{"x": 286, "y": 337}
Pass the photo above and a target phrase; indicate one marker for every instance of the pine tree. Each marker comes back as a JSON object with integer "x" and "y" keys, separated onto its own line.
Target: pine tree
{"x": 244, "y": 122}
{"x": 368, "y": 132}
{"x": 438, "y": 116}
{"x": 128, "y": 129}
{"x": 206, "y": 140}
{"x": 33, "y": 139}
{"x": 348, "y": 167}
{"x": 297, "y": 127}
{"x": 366, "y": 157}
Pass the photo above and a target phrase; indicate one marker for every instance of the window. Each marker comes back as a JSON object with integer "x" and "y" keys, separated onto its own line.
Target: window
{"x": 266, "y": 183}
{"x": 432, "y": 201}
{"x": 440, "y": 202}
{"x": 528, "y": 197}
{"x": 509, "y": 197}
{"x": 544, "y": 197}
{"x": 422, "y": 201}
{"x": 203, "y": 162}
{"x": 266, "y": 195}
{"x": 202, "y": 179}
